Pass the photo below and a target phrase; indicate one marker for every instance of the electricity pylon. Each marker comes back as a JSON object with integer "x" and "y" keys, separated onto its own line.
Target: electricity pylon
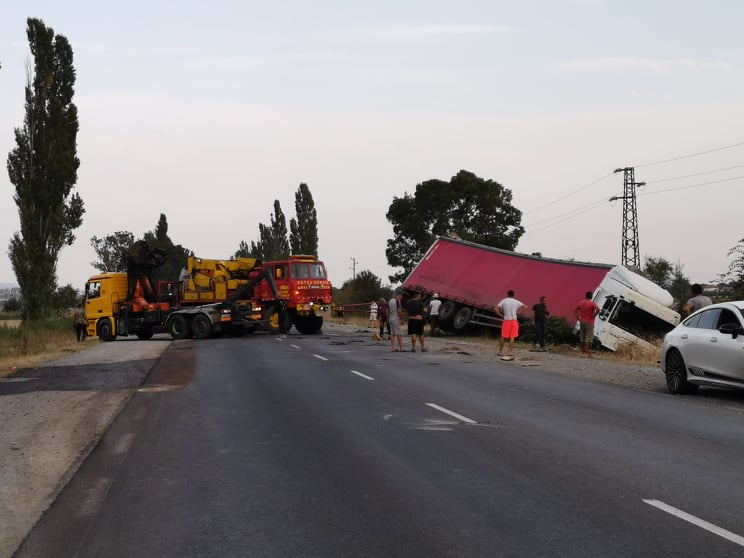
{"x": 630, "y": 256}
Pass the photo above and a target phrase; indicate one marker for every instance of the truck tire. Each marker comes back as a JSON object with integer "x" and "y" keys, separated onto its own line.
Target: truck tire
{"x": 105, "y": 330}
{"x": 447, "y": 314}
{"x": 144, "y": 333}
{"x": 309, "y": 325}
{"x": 178, "y": 327}
{"x": 462, "y": 318}
{"x": 201, "y": 326}
{"x": 277, "y": 320}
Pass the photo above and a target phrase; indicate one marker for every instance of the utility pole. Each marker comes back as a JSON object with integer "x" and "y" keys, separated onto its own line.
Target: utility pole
{"x": 630, "y": 254}
{"x": 353, "y": 267}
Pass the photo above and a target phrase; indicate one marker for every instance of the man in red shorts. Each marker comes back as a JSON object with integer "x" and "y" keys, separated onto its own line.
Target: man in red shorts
{"x": 509, "y": 309}
{"x": 585, "y": 312}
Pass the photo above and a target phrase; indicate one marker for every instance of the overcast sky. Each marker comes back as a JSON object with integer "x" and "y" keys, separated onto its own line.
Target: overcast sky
{"x": 209, "y": 111}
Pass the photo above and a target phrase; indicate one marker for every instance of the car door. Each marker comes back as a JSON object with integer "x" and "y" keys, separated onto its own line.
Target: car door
{"x": 726, "y": 354}
{"x": 696, "y": 344}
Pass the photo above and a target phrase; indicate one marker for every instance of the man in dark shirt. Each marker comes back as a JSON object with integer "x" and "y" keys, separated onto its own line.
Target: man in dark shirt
{"x": 415, "y": 310}
{"x": 541, "y": 315}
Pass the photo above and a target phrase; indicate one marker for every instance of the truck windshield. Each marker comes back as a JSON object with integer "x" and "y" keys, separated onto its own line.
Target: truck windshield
{"x": 308, "y": 271}
{"x": 640, "y": 323}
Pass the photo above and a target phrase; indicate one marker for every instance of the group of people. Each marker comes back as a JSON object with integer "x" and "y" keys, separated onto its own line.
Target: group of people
{"x": 509, "y": 309}
{"x": 386, "y": 315}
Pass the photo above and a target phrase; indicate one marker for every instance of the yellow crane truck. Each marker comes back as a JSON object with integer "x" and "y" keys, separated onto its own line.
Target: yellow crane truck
{"x": 212, "y": 297}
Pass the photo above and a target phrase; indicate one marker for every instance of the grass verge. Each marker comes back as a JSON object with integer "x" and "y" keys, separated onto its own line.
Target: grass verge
{"x": 23, "y": 347}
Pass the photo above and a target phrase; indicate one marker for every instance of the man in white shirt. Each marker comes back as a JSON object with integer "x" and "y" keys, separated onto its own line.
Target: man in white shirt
{"x": 509, "y": 309}
{"x": 434, "y": 305}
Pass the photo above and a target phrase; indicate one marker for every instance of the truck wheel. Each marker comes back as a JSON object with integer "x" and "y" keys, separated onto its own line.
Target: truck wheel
{"x": 278, "y": 320}
{"x": 105, "y": 330}
{"x": 308, "y": 325}
{"x": 144, "y": 333}
{"x": 178, "y": 327}
{"x": 201, "y": 326}
{"x": 447, "y": 314}
{"x": 462, "y": 318}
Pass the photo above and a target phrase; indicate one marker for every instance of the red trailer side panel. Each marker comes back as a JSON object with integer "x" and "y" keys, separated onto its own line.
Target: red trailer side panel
{"x": 480, "y": 276}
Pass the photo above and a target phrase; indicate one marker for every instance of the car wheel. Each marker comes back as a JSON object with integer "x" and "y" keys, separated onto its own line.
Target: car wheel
{"x": 676, "y": 373}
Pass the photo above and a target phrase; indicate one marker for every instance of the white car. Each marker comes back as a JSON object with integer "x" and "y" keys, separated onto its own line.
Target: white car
{"x": 707, "y": 348}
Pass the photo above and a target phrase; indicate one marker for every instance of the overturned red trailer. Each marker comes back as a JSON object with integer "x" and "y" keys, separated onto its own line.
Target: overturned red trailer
{"x": 471, "y": 279}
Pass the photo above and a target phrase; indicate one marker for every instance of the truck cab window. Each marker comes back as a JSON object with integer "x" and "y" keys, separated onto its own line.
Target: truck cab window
{"x": 300, "y": 271}
{"x": 317, "y": 271}
{"x": 637, "y": 321}
{"x": 93, "y": 290}
{"x": 606, "y": 309}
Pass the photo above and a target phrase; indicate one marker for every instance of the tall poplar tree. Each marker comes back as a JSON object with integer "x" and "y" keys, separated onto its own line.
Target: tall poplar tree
{"x": 43, "y": 168}
{"x": 303, "y": 230}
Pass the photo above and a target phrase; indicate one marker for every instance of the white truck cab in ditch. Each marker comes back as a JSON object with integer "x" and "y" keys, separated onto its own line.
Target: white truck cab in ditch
{"x": 631, "y": 309}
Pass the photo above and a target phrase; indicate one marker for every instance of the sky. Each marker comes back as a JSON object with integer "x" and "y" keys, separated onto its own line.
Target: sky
{"x": 207, "y": 112}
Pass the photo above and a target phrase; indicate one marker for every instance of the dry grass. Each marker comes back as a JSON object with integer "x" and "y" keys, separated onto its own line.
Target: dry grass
{"x": 635, "y": 353}
{"x": 22, "y": 348}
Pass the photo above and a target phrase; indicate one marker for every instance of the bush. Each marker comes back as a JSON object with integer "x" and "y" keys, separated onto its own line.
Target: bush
{"x": 557, "y": 331}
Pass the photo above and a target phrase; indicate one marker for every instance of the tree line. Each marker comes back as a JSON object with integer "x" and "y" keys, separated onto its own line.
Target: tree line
{"x": 43, "y": 169}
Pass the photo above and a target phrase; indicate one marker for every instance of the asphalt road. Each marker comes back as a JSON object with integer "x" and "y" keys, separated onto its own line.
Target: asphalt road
{"x": 334, "y": 446}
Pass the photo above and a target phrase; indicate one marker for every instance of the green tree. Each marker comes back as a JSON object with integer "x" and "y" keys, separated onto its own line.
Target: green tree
{"x": 13, "y": 304}
{"x": 466, "y": 207}
{"x": 366, "y": 286}
{"x": 110, "y": 250}
{"x": 244, "y": 251}
{"x": 659, "y": 270}
{"x": 679, "y": 286}
{"x": 736, "y": 269}
{"x": 176, "y": 256}
{"x": 303, "y": 235}
{"x": 272, "y": 244}
{"x": 43, "y": 168}
{"x": 65, "y": 298}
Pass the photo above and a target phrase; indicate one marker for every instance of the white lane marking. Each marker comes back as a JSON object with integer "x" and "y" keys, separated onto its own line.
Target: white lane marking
{"x": 451, "y": 413}
{"x": 295, "y": 346}
{"x": 733, "y": 537}
{"x": 362, "y": 375}
{"x": 320, "y": 357}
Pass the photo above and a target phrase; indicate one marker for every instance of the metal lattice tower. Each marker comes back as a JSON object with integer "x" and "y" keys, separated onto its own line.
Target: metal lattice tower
{"x": 630, "y": 254}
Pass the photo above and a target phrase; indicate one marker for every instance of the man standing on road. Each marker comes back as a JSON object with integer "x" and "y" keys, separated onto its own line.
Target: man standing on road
{"x": 434, "y": 305}
{"x": 698, "y": 300}
{"x": 541, "y": 314}
{"x": 586, "y": 310}
{"x": 396, "y": 330}
{"x": 509, "y": 310}
{"x": 415, "y": 310}
{"x": 80, "y": 323}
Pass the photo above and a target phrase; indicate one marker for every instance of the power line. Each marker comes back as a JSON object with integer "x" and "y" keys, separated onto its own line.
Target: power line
{"x": 567, "y": 195}
{"x": 692, "y": 155}
{"x": 692, "y": 186}
{"x": 575, "y": 213}
{"x": 693, "y": 175}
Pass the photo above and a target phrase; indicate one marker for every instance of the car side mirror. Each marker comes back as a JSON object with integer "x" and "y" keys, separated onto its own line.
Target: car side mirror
{"x": 730, "y": 329}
